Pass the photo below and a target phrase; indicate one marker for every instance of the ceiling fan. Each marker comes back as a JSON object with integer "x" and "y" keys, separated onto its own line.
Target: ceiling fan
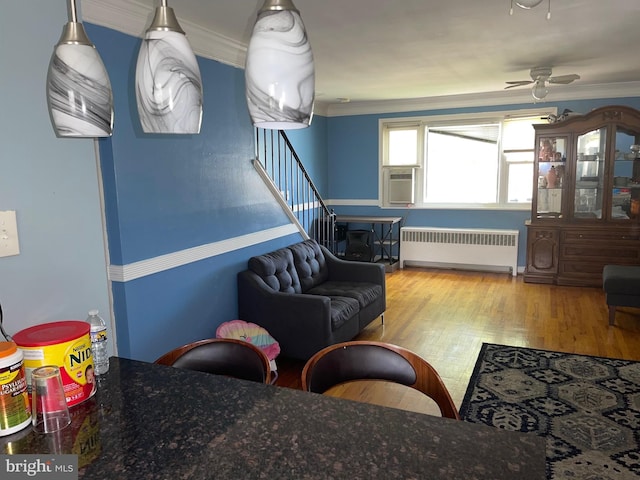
{"x": 540, "y": 77}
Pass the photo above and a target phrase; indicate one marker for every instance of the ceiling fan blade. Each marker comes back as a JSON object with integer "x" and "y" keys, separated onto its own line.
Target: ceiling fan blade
{"x": 519, "y": 83}
{"x": 564, "y": 78}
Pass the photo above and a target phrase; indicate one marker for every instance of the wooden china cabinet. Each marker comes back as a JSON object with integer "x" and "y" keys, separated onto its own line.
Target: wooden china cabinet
{"x": 586, "y": 197}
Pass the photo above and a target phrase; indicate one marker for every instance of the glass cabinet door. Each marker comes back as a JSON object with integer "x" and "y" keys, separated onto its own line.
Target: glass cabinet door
{"x": 625, "y": 194}
{"x": 552, "y": 158}
{"x": 589, "y": 174}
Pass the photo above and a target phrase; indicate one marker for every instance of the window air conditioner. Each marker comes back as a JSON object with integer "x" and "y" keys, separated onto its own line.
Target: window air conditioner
{"x": 400, "y": 185}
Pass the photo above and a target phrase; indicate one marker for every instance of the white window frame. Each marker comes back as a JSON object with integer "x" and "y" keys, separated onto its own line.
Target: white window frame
{"x": 386, "y": 124}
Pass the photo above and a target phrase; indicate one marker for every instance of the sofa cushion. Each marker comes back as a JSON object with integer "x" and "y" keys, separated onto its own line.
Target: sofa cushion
{"x": 342, "y": 309}
{"x": 310, "y": 264}
{"x": 364, "y": 293}
{"x": 277, "y": 270}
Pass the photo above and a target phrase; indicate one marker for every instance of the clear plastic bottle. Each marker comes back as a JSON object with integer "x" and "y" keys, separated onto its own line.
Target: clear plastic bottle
{"x": 98, "y": 342}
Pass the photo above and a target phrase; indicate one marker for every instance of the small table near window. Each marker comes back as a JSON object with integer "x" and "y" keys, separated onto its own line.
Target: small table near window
{"x": 386, "y": 235}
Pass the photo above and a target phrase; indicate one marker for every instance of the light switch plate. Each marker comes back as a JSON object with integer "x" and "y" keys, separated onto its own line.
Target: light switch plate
{"x": 8, "y": 234}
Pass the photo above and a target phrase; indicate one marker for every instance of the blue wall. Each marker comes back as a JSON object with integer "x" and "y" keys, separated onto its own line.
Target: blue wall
{"x": 353, "y": 162}
{"x": 172, "y": 192}
{"x": 168, "y": 193}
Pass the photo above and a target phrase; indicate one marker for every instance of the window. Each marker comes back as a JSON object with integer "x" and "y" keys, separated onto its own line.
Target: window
{"x": 461, "y": 163}
{"x": 402, "y": 147}
{"x": 517, "y": 152}
{"x": 464, "y": 161}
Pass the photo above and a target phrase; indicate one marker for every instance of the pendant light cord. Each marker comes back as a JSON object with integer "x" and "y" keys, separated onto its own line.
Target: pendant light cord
{"x": 4, "y": 334}
{"x": 73, "y": 14}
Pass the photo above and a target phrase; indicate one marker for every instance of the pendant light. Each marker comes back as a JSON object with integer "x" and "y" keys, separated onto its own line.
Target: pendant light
{"x": 279, "y": 70}
{"x": 79, "y": 94}
{"x": 168, "y": 82}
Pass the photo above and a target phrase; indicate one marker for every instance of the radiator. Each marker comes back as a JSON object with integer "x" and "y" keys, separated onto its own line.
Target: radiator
{"x": 470, "y": 247}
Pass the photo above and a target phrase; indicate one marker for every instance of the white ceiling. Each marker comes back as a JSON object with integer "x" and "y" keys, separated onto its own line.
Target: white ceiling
{"x": 382, "y": 50}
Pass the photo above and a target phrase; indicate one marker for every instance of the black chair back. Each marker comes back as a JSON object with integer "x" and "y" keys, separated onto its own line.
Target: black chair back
{"x": 366, "y": 362}
{"x": 363, "y": 360}
{"x": 221, "y": 356}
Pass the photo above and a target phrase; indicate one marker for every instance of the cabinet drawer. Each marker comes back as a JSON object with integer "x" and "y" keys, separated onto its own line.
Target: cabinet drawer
{"x": 587, "y": 274}
{"x": 581, "y": 280}
{"x": 600, "y": 236}
{"x": 581, "y": 268}
{"x": 607, "y": 253}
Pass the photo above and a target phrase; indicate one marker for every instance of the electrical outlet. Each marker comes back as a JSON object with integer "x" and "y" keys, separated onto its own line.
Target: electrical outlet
{"x": 8, "y": 234}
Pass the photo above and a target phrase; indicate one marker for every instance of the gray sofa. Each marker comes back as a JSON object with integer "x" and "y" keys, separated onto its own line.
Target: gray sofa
{"x": 309, "y": 299}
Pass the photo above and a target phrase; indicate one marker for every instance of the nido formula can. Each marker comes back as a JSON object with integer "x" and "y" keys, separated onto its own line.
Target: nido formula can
{"x": 65, "y": 344}
{"x": 15, "y": 410}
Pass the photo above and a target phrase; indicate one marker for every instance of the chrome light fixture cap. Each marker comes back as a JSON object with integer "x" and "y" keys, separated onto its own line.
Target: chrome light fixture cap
{"x": 168, "y": 83}
{"x": 79, "y": 95}
{"x": 276, "y": 5}
{"x": 529, "y": 4}
{"x": 279, "y": 69}
{"x": 165, "y": 18}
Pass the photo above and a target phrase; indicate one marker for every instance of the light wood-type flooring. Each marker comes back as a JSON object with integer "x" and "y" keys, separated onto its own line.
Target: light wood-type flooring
{"x": 446, "y": 315}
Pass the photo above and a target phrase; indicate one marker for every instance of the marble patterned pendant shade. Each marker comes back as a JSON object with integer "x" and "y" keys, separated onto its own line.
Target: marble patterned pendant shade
{"x": 168, "y": 82}
{"x": 79, "y": 93}
{"x": 279, "y": 70}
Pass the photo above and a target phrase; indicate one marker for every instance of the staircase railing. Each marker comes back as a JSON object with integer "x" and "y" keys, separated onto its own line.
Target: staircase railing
{"x": 281, "y": 168}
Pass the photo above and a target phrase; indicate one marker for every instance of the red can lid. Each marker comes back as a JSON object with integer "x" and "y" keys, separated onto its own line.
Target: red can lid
{"x": 51, "y": 333}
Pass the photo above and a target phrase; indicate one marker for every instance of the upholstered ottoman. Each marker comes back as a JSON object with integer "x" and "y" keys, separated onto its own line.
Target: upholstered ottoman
{"x": 621, "y": 284}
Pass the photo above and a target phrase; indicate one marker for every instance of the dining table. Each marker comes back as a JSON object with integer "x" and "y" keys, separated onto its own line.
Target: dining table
{"x": 150, "y": 421}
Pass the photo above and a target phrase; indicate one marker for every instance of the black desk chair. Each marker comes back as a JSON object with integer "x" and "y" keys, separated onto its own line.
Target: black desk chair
{"x": 221, "y": 356}
{"x": 361, "y": 360}
{"x": 359, "y": 246}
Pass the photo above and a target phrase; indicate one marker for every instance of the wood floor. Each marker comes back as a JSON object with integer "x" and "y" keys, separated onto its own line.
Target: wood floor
{"x": 446, "y": 315}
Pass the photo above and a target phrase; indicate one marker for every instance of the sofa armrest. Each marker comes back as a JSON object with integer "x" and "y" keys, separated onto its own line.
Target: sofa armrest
{"x": 352, "y": 271}
{"x": 300, "y": 323}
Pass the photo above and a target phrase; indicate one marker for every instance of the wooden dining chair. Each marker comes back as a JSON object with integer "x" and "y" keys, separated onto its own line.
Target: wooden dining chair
{"x": 221, "y": 356}
{"x": 363, "y": 360}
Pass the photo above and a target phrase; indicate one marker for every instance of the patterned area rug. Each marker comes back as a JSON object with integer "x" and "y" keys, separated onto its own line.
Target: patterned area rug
{"x": 588, "y": 408}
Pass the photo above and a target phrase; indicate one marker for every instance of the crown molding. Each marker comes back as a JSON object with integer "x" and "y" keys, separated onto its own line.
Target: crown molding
{"x": 510, "y": 97}
{"x": 132, "y": 18}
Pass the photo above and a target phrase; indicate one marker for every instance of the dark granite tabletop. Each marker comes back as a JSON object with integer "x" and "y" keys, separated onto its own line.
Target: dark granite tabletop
{"x": 154, "y": 422}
